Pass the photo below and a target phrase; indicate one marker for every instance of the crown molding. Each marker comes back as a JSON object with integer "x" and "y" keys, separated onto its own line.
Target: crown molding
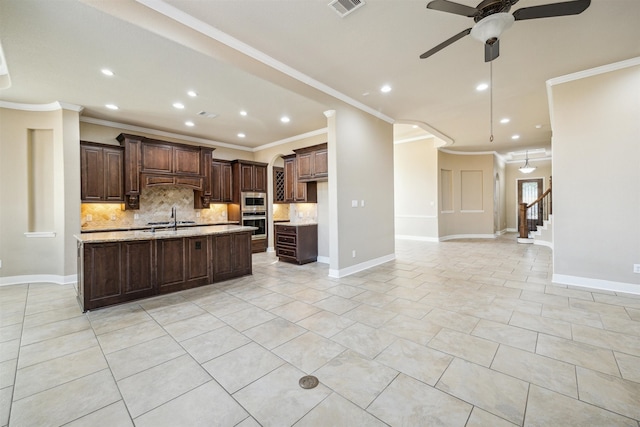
{"x": 292, "y": 139}
{"x": 156, "y": 132}
{"x": 52, "y": 106}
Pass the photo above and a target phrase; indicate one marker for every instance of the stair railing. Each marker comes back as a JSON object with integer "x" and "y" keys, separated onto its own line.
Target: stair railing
{"x": 535, "y": 213}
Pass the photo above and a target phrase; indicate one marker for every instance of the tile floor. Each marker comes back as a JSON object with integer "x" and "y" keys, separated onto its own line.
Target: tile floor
{"x": 459, "y": 333}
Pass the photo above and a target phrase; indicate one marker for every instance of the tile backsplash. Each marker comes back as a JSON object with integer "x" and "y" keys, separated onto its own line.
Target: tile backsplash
{"x": 155, "y": 206}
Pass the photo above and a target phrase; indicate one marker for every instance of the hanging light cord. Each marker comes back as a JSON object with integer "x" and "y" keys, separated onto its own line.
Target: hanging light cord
{"x": 491, "y": 98}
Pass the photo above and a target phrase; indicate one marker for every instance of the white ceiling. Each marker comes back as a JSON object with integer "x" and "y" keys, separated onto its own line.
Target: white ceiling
{"x": 286, "y": 57}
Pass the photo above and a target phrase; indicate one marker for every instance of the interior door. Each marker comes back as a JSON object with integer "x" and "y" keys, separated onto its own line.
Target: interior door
{"x": 528, "y": 191}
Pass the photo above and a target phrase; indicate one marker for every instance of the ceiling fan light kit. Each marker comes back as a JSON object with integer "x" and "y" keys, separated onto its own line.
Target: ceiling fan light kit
{"x": 492, "y": 18}
{"x": 491, "y": 27}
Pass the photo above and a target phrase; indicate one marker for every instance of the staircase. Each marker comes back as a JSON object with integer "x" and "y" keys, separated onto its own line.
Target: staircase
{"x": 535, "y": 221}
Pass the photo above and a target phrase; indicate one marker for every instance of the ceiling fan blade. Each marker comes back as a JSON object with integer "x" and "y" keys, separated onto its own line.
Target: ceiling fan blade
{"x": 549, "y": 10}
{"x": 445, "y": 43}
{"x": 491, "y": 51}
{"x": 451, "y": 7}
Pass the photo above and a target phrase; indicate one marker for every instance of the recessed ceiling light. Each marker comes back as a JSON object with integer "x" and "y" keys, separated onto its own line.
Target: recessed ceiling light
{"x": 107, "y": 72}
{"x": 505, "y": 120}
{"x": 243, "y": 113}
{"x": 538, "y": 126}
{"x": 178, "y": 105}
{"x": 285, "y": 119}
{"x": 241, "y": 135}
{"x": 415, "y": 126}
{"x": 515, "y": 136}
{"x": 189, "y": 123}
{"x": 482, "y": 86}
{"x": 385, "y": 89}
{"x": 365, "y": 94}
{"x": 111, "y": 106}
{"x": 192, "y": 93}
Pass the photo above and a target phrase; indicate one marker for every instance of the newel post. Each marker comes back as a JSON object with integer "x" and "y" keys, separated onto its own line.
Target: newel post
{"x": 524, "y": 228}
{"x": 550, "y": 198}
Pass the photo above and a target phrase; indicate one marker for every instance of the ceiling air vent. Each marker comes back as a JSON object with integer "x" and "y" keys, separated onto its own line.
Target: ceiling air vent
{"x": 345, "y": 7}
{"x": 207, "y": 114}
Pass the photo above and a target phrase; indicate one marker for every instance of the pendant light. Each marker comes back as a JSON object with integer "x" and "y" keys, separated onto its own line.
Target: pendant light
{"x": 526, "y": 168}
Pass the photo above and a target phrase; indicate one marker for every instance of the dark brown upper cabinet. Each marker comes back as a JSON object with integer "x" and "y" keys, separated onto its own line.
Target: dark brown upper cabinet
{"x": 101, "y": 178}
{"x": 150, "y": 162}
{"x": 249, "y": 176}
{"x": 312, "y": 163}
{"x": 296, "y": 191}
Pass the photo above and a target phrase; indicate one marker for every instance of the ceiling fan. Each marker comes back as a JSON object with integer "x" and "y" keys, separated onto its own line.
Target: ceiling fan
{"x": 491, "y": 19}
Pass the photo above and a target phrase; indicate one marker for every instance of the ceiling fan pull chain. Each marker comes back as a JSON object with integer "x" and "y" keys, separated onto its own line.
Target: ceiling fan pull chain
{"x": 491, "y": 98}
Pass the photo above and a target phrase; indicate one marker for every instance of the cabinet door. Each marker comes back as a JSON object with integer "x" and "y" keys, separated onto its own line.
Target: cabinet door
{"x": 156, "y": 158}
{"x": 137, "y": 268}
{"x": 102, "y": 274}
{"x": 198, "y": 260}
{"x": 207, "y": 169}
{"x": 170, "y": 264}
{"x": 305, "y": 165}
{"x": 222, "y": 185}
{"x": 241, "y": 254}
{"x": 246, "y": 177}
{"x": 91, "y": 173}
{"x": 290, "y": 180}
{"x": 113, "y": 169}
{"x": 320, "y": 164}
{"x": 227, "y": 183}
{"x": 186, "y": 161}
{"x": 222, "y": 257}
{"x": 260, "y": 179}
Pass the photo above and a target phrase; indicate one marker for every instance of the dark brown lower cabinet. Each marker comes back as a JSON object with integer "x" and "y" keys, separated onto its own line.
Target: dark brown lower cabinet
{"x": 297, "y": 243}
{"x": 231, "y": 255}
{"x": 112, "y": 273}
{"x": 115, "y": 272}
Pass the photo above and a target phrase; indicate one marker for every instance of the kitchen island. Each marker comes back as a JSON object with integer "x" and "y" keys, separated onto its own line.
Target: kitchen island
{"x": 121, "y": 266}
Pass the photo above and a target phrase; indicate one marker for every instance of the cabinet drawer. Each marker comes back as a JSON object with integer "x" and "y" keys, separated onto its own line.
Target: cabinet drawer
{"x": 286, "y": 229}
{"x": 287, "y": 252}
{"x": 286, "y": 239}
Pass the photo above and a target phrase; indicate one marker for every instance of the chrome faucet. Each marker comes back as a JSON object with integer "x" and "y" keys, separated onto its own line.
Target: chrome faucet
{"x": 174, "y": 215}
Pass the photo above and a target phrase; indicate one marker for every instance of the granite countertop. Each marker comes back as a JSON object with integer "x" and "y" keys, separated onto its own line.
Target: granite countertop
{"x": 120, "y": 236}
{"x": 149, "y": 227}
{"x": 297, "y": 223}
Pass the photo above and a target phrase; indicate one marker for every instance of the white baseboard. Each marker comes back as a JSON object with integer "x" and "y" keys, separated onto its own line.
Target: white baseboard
{"x": 417, "y": 238}
{"x": 606, "y": 285}
{"x": 543, "y": 243}
{"x": 323, "y": 259}
{"x": 39, "y": 278}
{"x": 512, "y": 230}
{"x": 467, "y": 236}
{"x": 337, "y": 274}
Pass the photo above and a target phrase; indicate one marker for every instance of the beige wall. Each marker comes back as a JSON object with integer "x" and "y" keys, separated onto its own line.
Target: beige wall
{"x": 416, "y": 190}
{"x": 38, "y": 258}
{"x": 472, "y": 195}
{"x": 512, "y": 176}
{"x": 361, "y": 168}
{"x": 596, "y": 179}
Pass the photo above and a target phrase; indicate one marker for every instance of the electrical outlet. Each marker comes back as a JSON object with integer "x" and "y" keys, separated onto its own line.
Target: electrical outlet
{"x": 353, "y": 253}
{"x": 0, "y": 263}
{"x": 89, "y": 218}
{"x": 136, "y": 216}
{"x": 362, "y": 203}
{"x": 636, "y": 268}
{"x": 197, "y": 214}
{"x": 113, "y": 217}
